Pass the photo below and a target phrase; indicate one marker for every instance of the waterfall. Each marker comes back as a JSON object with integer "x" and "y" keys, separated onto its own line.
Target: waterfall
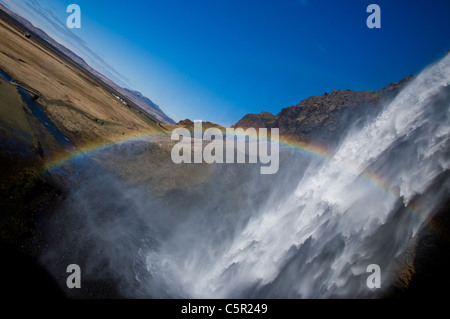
{"x": 318, "y": 242}
{"x": 309, "y": 232}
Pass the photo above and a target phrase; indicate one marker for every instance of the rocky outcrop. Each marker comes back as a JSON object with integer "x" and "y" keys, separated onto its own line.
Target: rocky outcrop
{"x": 187, "y": 123}
{"x": 324, "y": 117}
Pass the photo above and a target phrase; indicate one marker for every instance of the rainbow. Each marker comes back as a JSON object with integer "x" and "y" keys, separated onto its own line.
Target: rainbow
{"x": 91, "y": 148}
{"x": 306, "y": 148}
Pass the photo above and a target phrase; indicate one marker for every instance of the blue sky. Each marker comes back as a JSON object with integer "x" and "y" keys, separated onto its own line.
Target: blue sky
{"x": 219, "y": 60}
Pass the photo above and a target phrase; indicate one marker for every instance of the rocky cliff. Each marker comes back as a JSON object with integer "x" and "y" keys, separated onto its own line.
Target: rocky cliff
{"x": 325, "y": 117}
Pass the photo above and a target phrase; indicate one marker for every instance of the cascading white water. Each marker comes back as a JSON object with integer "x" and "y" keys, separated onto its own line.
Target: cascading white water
{"x": 337, "y": 202}
{"x": 308, "y": 232}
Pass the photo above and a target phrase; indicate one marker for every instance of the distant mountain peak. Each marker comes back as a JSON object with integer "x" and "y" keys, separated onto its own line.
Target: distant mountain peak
{"x": 148, "y": 105}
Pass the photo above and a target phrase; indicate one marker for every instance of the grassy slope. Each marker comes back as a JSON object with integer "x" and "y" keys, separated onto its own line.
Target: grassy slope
{"x": 81, "y": 107}
{"x": 76, "y": 103}
{"x": 72, "y": 99}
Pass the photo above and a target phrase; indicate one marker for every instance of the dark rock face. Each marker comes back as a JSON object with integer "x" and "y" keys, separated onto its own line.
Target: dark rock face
{"x": 424, "y": 274}
{"x": 324, "y": 117}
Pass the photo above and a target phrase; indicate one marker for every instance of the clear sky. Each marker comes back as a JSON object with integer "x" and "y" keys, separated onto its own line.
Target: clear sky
{"x": 218, "y": 60}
